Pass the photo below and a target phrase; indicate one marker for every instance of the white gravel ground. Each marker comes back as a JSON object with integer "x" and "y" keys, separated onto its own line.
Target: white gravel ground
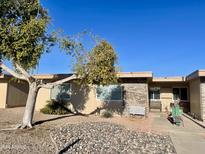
{"x": 107, "y": 138}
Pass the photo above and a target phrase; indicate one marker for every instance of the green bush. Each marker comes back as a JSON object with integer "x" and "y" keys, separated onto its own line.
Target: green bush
{"x": 55, "y": 107}
{"x": 107, "y": 114}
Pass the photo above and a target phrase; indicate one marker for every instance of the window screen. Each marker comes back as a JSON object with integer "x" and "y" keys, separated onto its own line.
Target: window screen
{"x": 111, "y": 92}
{"x": 61, "y": 92}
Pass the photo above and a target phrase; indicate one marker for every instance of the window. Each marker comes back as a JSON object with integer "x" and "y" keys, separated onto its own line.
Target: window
{"x": 109, "y": 93}
{"x": 154, "y": 93}
{"x": 61, "y": 92}
{"x": 180, "y": 93}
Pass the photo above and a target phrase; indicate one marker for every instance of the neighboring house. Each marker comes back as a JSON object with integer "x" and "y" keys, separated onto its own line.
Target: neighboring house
{"x": 135, "y": 89}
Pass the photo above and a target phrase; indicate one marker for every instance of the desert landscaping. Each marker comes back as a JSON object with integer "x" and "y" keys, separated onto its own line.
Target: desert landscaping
{"x": 81, "y": 134}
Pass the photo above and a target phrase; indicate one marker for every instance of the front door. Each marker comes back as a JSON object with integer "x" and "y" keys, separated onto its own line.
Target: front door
{"x": 181, "y": 94}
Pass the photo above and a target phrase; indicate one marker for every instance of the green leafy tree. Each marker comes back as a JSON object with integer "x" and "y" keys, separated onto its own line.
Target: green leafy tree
{"x": 24, "y": 38}
{"x": 98, "y": 65}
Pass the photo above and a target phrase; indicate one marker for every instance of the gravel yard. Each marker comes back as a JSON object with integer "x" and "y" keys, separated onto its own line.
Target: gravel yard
{"x": 109, "y": 138}
{"x": 25, "y": 141}
{"x": 81, "y": 134}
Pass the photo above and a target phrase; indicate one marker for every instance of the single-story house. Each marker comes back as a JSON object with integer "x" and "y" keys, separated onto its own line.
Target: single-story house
{"x": 138, "y": 90}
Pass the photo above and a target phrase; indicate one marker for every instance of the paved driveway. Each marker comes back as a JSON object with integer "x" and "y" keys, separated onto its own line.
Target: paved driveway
{"x": 189, "y": 139}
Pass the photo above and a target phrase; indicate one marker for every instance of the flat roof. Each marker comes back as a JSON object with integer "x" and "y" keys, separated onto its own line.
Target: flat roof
{"x": 134, "y": 74}
{"x": 196, "y": 74}
{"x": 169, "y": 79}
{"x": 119, "y": 74}
{"x": 148, "y": 74}
{"x": 51, "y": 76}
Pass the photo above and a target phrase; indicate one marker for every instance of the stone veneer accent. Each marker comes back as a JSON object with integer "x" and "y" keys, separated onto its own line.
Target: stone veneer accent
{"x": 203, "y": 100}
{"x": 135, "y": 94}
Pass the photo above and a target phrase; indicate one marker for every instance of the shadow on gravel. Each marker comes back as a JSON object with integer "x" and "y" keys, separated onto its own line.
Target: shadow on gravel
{"x": 68, "y": 146}
{"x": 57, "y": 118}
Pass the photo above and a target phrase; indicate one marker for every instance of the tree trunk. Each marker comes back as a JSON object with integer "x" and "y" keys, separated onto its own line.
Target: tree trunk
{"x": 30, "y": 106}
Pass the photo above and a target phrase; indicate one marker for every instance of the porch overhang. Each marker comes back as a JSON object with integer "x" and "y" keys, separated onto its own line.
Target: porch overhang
{"x": 169, "y": 79}
{"x": 196, "y": 74}
{"x": 134, "y": 74}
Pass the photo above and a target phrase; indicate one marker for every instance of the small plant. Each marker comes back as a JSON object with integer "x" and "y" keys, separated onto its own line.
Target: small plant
{"x": 107, "y": 114}
{"x": 55, "y": 107}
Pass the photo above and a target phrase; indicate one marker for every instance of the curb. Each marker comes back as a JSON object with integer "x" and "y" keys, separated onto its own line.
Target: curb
{"x": 195, "y": 121}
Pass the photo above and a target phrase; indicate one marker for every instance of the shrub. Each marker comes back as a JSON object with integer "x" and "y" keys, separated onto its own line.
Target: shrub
{"x": 55, "y": 107}
{"x": 107, "y": 114}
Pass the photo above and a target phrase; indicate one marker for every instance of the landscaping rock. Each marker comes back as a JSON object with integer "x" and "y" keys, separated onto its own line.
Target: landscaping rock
{"x": 102, "y": 137}
{"x": 25, "y": 141}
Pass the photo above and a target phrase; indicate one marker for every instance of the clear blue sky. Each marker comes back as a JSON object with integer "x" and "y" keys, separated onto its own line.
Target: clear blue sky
{"x": 163, "y": 36}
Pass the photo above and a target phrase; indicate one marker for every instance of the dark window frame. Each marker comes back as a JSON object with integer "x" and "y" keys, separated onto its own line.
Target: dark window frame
{"x": 62, "y": 99}
{"x": 180, "y": 95}
{"x": 110, "y": 100}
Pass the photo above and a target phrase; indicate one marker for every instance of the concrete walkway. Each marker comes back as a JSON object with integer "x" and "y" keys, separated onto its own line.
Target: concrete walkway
{"x": 189, "y": 139}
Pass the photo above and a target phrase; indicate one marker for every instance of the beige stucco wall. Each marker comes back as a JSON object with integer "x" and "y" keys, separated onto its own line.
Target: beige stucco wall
{"x": 166, "y": 97}
{"x": 42, "y": 98}
{"x": 17, "y": 94}
{"x": 82, "y": 100}
{"x": 3, "y": 94}
{"x": 91, "y": 103}
{"x": 195, "y": 97}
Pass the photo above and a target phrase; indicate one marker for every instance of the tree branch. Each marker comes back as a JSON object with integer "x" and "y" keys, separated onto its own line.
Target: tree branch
{"x": 16, "y": 75}
{"x": 53, "y": 84}
{"x": 24, "y": 72}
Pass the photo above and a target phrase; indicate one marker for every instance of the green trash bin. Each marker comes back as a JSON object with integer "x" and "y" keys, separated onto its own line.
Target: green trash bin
{"x": 176, "y": 114}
